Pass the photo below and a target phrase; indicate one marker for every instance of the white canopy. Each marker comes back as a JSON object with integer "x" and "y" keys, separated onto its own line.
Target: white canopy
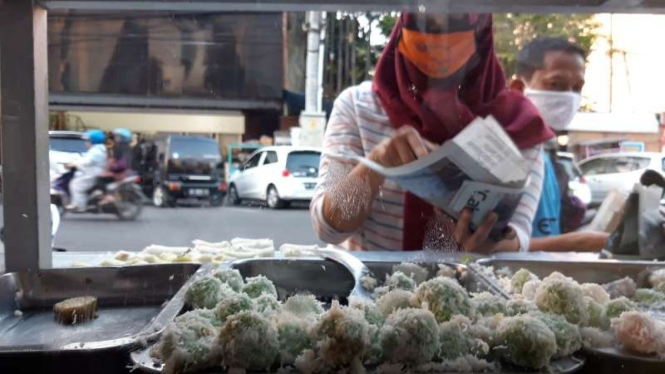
{"x": 645, "y": 123}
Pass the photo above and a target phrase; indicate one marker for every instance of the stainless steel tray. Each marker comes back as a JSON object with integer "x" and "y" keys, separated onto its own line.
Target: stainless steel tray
{"x": 131, "y": 302}
{"x": 599, "y": 360}
{"x": 330, "y": 280}
{"x": 142, "y": 361}
{"x": 586, "y": 271}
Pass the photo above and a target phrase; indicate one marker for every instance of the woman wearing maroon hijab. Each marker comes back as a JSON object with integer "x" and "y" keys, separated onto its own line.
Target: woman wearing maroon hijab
{"x": 437, "y": 73}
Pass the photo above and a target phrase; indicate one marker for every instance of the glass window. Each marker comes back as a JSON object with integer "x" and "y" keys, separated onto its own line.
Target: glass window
{"x": 641, "y": 163}
{"x": 303, "y": 164}
{"x": 626, "y": 164}
{"x": 271, "y": 158}
{"x": 67, "y": 144}
{"x": 194, "y": 148}
{"x": 594, "y": 167}
{"x": 254, "y": 161}
{"x": 165, "y": 55}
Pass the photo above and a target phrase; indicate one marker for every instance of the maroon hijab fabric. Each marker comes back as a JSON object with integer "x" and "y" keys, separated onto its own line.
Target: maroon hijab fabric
{"x": 440, "y": 108}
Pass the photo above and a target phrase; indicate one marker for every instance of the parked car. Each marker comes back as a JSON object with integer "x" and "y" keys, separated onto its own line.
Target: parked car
{"x": 621, "y": 171}
{"x": 65, "y": 147}
{"x": 576, "y": 181}
{"x": 190, "y": 168}
{"x": 276, "y": 175}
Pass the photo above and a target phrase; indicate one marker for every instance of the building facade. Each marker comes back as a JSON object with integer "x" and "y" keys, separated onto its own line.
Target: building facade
{"x": 218, "y": 74}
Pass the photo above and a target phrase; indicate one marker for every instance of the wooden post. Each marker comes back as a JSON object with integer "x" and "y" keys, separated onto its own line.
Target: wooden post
{"x": 24, "y": 115}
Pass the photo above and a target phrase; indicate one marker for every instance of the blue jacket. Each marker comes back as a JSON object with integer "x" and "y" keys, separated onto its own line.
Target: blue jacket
{"x": 547, "y": 221}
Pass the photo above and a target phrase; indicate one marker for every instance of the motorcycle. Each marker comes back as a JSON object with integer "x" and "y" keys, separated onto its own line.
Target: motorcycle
{"x": 122, "y": 198}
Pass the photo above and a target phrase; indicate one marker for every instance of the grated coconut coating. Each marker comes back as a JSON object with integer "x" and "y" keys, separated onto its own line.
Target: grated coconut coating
{"x": 231, "y": 277}
{"x": 444, "y": 297}
{"x": 564, "y": 297}
{"x": 525, "y": 341}
{"x": 410, "y": 336}
{"x": 519, "y": 279}
{"x": 206, "y": 292}
{"x": 248, "y": 341}
{"x": 259, "y": 285}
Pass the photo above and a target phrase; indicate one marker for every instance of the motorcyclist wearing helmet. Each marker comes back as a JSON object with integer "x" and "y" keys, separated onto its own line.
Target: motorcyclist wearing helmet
{"x": 121, "y": 155}
{"x": 118, "y": 165}
{"x": 88, "y": 168}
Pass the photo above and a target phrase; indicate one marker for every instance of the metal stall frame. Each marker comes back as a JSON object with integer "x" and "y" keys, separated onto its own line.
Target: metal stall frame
{"x": 24, "y": 86}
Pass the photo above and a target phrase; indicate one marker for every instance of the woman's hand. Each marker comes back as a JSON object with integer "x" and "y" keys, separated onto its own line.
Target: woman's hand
{"x": 405, "y": 146}
{"x": 479, "y": 241}
{"x": 348, "y": 214}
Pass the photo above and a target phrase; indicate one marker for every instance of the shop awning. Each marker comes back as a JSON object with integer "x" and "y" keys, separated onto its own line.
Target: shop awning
{"x": 634, "y": 123}
{"x": 592, "y": 142}
{"x": 165, "y": 122}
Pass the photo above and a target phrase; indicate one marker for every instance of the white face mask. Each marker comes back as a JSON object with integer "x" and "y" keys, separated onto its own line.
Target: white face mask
{"x": 556, "y": 108}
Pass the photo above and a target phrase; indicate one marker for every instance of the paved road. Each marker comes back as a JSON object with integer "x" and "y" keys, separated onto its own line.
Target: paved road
{"x": 179, "y": 226}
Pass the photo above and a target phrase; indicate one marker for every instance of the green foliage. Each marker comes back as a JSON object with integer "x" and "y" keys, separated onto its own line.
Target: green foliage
{"x": 513, "y": 31}
{"x": 386, "y": 23}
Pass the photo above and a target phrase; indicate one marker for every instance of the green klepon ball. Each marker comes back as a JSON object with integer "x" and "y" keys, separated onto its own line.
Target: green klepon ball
{"x": 445, "y": 298}
{"x": 394, "y": 300}
{"x": 648, "y": 297}
{"x": 487, "y": 305}
{"x": 233, "y": 304}
{"x": 304, "y": 306}
{"x": 410, "y": 336}
{"x": 525, "y": 341}
{"x": 372, "y": 313}
{"x": 267, "y": 304}
{"x": 248, "y": 341}
{"x": 259, "y": 285}
{"x": 206, "y": 292}
{"x": 520, "y": 278}
{"x": 568, "y": 337}
{"x": 294, "y": 337}
{"x": 563, "y": 297}
{"x": 231, "y": 277}
{"x": 400, "y": 281}
{"x": 343, "y": 335}
{"x": 615, "y": 307}
{"x": 186, "y": 345}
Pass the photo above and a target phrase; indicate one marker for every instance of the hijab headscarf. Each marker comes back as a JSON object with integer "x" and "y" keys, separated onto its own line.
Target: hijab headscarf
{"x": 439, "y": 76}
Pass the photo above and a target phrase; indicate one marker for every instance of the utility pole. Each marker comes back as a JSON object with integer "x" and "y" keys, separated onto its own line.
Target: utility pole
{"x": 611, "y": 61}
{"x": 312, "y": 121}
{"x": 312, "y": 76}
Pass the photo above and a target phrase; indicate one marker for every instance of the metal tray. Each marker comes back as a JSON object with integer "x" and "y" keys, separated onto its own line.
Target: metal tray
{"x": 601, "y": 271}
{"x": 131, "y": 302}
{"x": 612, "y": 360}
{"x": 142, "y": 361}
{"x": 329, "y": 280}
{"x": 586, "y": 271}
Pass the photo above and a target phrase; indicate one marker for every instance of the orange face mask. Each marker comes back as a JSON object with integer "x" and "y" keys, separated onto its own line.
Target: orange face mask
{"x": 437, "y": 55}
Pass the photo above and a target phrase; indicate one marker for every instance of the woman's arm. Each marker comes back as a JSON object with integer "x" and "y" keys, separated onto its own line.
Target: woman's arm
{"x": 342, "y": 136}
{"x": 579, "y": 241}
{"x": 344, "y": 196}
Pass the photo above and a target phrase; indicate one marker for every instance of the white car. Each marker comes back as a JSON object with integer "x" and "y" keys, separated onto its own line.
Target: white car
{"x": 65, "y": 147}
{"x": 618, "y": 171}
{"x": 276, "y": 175}
{"x": 576, "y": 182}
